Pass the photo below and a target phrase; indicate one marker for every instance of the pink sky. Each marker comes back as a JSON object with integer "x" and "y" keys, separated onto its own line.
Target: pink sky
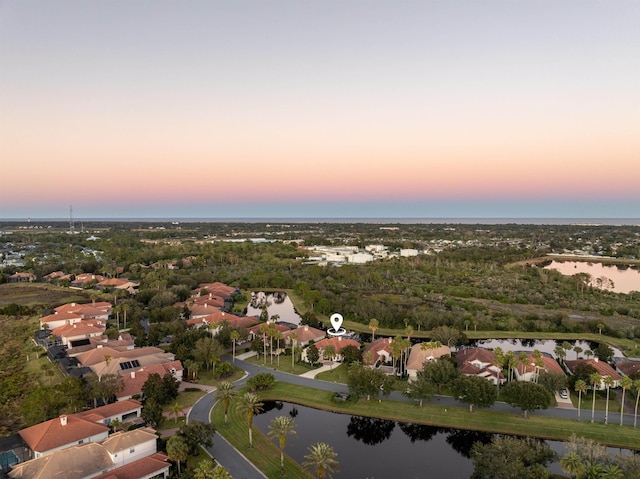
{"x": 332, "y": 102}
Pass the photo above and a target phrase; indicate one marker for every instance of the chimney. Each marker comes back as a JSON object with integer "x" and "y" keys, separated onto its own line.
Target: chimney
{"x": 133, "y": 374}
{"x": 306, "y": 327}
{"x": 596, "y": 359}
{"x": 99, "y": 346}
{"x": 73, "y": 304}
{"x": 63, "y": 420}
{"x": 339, "y": 338}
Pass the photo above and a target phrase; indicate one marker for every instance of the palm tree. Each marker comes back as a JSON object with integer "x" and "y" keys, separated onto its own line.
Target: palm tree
{"x": 175, "y": 409}
{"x": 608, "y": 383}
{"x": 225, "y": 394}
{"x": 499, "y": 360}
{"x": 636, "y": 386}
{"x": 278, "y": 336}
{"x": 613, "y": 471}
{"x": 281, "y": 427}
{"x": 512, "y": 363}
{"x": 588, "y": 353}
{"x": 177, "y": 450}
{"x": 578, "y": 350}
{"x": 322, "y": 459}
{"x": 625, "y": 383}
{"x": 572, "y": 464}
{"x": 250, "y": 405}
{"x": 293, "y": 337}
{"x": 235, "y": 335}
{"x": 581, "y": 387}
{"x": 594, "y": 379}
{"x": 373, "y": 326}
{"x": 537, "y": 362}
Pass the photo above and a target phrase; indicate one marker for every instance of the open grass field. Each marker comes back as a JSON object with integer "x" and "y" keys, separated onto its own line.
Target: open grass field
{"x": 39, "y": 294}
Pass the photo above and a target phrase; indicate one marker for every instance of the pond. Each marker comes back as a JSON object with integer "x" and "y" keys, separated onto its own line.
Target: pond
{"x": 616, "y": 278}
{"x": 369, "y": 448}
{"x": 543, "y": 345}
{"x": 376, "y": 448}
{"x": 277, "y": 303}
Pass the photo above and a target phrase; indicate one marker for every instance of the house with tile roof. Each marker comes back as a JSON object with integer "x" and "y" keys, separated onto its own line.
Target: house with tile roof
{"x": 134, "y": 380}
{"x": 377, "y": 352}
{"x": 61, "y": 433}
{"x": 122, "y": 411}
{"x": 80, "y": 461}
{"x": 155, "y": 466}
{"x": 628, "y": 368}
{"x": 80, "y": 331}
{"x": 479, "y": 362}
{"x": 338, "y": 343}
{"x": 126, "y": 447}
{"x": 99, "y": 310}
{"x": 122, "y": 449}
{"x": 55, "y": 320}
{"x": 218, "y": 289}
{"x": 304, "y": 335}
{"x": 528, "y": 371}
{"x": 84, "y": 279}
{"x": 422, "y": 353}
{"x": 601, "y": 367}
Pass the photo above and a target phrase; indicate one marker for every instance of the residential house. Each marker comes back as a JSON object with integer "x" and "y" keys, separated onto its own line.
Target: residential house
{"x": 479, "y": 362}
{"x": 105, "y": 360}
{"x": 304, "y": 335}
{"x": 134, "y": 380}
{"x": 628, "y": 368}
{"x": 338, "y": 343}
{"x": 602, "y": 368}
{"x": 106, "y": 459}
{"x": 122, "y": 411}
{"x": 70, "y": 334}
{"x": 155, "y": 466}
{"x": 22, "y": 278}
{"x": 85, "y": 279}
{"x": 55, "y": 320}
{"x": 127, "y": 447}
{"x": 61, "y": 433}
{"x": 423, "y": 353}
{"x": 80, "y": 461}
{"x": 529, "y": 371}
{"x": 98, "y": 310}
{"x": 377, "y": 352}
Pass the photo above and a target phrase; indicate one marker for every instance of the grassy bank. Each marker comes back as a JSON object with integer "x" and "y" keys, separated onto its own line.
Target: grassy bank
{"x": 264, "y": 454}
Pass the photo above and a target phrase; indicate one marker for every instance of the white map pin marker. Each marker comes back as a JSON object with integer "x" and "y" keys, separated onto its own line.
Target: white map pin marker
{"x": 336, "y": 321}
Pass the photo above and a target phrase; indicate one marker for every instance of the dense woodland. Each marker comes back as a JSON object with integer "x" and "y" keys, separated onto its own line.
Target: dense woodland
{"x": 478, "y": 281}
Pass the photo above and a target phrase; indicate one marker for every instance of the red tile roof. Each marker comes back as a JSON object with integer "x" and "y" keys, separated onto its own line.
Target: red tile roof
{"x": 337, "y": 342}
{"x": 110, "y": 410}
{"x": 145, "y": 467}
{"x": 55, "y": 433}
{"x": 601, "y": 367}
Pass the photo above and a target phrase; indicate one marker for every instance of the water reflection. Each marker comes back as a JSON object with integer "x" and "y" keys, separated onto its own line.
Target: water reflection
{"x": 547, "y": 346}
{"x": 369, "y": 430}
{"x": 277, "y": 303}
{"x": 618, "y": 278}
{"x": 420, "y": 432}
{"x": 462, "y": 441}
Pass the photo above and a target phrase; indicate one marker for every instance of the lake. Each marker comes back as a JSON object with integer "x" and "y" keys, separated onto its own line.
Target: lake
{"x": 543, "y": 345}
{"x": 619, "y": 278}
{"x": 276, "y": 303}
{"x": 377, "y": 448}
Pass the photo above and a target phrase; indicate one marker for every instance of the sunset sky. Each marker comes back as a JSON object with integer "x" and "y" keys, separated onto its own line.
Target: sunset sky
{"x": 325, "y": 108}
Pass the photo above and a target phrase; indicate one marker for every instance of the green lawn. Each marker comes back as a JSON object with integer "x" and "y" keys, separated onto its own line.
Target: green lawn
{"x": 264, "y": 454}
{"x": 206, "y": 377}
{"x": 337, "y": 375}
{"x": 285, "y": 364}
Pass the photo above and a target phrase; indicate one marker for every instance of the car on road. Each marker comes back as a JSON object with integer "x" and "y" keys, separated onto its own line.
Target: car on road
{"x": 564, "y": 394}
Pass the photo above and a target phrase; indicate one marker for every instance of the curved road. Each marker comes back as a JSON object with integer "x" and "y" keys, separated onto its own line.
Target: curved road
{"x": 241, "y": 468}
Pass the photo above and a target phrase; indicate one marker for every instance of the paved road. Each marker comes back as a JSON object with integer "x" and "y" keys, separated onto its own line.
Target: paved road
{"x": 241, "y": 468}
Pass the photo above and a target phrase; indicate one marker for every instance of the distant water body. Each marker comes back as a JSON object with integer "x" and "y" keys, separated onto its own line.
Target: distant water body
{"x": 462, "y": 221}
